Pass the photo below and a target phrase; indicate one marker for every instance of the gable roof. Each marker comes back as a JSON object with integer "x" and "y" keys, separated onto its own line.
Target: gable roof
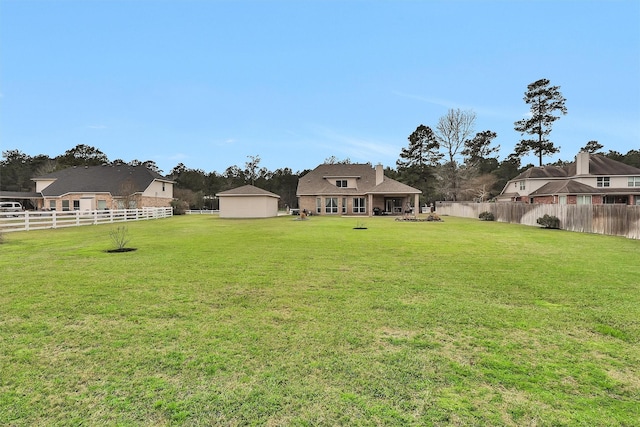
{"x": 598, "y": 165}
{"x": 247, "y": 191}
{"x": 99, "y": 179}
{"x": 317, "y": 182}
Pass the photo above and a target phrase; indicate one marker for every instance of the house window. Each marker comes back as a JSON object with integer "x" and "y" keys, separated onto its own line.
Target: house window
{"x": 163, "y": 186}
{"x": 331, "y": 205}
{"x": 583, "y": 200}
{"x": 318, "y": 205}
{"x": 52, "y": 205}
{"x": 102, "y": 205}
{"x": 603, "y": 181}
{"x": 634, "y": 181}
{"x": 522, "y": 186}
{"x": 65, "y": 205}
{"x": 76, "y": 205}
{"x": 341, "y": 183}
{"x": 344, "y": 205}
{"x": 359, "y": 205}
{"x": 562, "y": 200}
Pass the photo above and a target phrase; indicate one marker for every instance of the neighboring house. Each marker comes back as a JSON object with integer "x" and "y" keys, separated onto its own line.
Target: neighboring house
{"x": 104, "y": 187}
{"x": 354, "y": 189}
{"x": 591, "y": 179}
{"x": 248, "y": 201}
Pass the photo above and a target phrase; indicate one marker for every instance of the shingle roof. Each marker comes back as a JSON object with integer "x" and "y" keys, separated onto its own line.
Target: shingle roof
{"x": 543, "y": 172}
{"x": 99, "y": 179}
{"x": 18, "y": 195}
{"x": 565, "y": 186}
{"x": 247, "y": 190}
{"x": 602, "y": 165}
{"x": 598, "y": 165}
{"x": 315, "y": 182}
{"x": 568, "y": 186}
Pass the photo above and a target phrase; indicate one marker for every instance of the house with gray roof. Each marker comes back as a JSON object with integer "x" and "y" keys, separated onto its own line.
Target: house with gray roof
{"x": 591, "y": 179}
{"x": 354, "y": 189}
{"x": 248, "y": 201}
{"x": 118, "y": 186}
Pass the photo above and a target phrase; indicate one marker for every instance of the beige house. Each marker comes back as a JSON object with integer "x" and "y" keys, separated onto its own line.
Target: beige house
{"x": 248, "y": 201}
{"x": 593, "y": 179}
{"x": 354, "y": 189}
{"x": 103, "y": 187}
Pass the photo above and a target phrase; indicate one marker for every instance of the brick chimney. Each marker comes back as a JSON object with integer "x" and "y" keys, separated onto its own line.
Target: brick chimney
{"x": 379, "y": 174}
{"x": 582, "y": 163}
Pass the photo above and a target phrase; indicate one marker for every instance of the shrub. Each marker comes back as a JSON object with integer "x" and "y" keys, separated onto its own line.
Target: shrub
{"x": 549, "y": 221}
{"x": 120, "y": 237}
{"x": 486, "y": 216}
{"x": 180, "y": 207}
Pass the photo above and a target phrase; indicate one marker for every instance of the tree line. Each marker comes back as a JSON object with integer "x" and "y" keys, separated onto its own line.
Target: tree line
{"x": 449, "y": 162}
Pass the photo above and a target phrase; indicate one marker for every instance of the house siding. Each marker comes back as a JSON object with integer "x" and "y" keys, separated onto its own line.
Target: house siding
{"x": 110, "y": 201}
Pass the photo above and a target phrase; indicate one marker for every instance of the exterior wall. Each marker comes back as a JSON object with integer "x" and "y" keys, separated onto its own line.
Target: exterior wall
{"x": 154, "y": 202}
{"x": 159, "y": 189}
{"x": 530, "y": 185}
{"x": 351, "y": 181}
{"x": 308, "y": 203}
{"x": 42, "y": 184}
{"x": 248, "y": 206}
{"x": 545, "y": 199}
{"x": 110, "y": 201}
{"x": 78, "y": 197}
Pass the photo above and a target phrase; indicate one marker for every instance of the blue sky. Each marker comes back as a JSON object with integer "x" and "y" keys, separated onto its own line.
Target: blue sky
{"x": 209, "y": 83}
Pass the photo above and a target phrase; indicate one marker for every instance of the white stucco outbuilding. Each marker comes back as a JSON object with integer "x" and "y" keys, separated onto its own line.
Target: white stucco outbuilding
{"x": 248, "y": 201}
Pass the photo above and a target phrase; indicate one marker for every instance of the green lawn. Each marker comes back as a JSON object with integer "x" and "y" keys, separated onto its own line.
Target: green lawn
{"x": 287, "y": 322}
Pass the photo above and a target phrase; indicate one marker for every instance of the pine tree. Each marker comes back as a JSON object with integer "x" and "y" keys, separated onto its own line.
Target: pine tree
{"x": 545, "y": 102}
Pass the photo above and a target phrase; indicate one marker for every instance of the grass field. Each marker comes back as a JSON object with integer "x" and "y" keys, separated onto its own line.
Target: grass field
{"x": 283, "y": 322}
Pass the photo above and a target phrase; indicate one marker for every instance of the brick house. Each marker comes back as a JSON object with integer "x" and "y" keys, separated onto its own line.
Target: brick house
{"x": 591, "y": 179}
{"x": 103, "y": 187}
{"x": 354, "y": 189}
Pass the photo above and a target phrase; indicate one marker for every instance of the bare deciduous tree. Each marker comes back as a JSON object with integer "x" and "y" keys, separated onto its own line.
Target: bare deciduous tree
{"x": 453, "y": 130}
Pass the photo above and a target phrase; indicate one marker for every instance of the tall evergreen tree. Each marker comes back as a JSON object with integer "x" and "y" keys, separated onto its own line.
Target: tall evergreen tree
{"x": 592, "y": 147}
{"x": 422, "y": 150}
{"x": 478, "y": 152}
{"x": 417, "y": 161}
{"x": 545, "y": 101}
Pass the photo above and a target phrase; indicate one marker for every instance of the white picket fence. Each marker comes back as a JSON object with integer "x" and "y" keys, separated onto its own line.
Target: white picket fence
{"x": 38, "y": 220}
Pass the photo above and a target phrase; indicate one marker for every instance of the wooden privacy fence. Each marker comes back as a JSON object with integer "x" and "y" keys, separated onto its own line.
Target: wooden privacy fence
{"x": 38, "y": 220}
{"x": 615, "y": 220}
